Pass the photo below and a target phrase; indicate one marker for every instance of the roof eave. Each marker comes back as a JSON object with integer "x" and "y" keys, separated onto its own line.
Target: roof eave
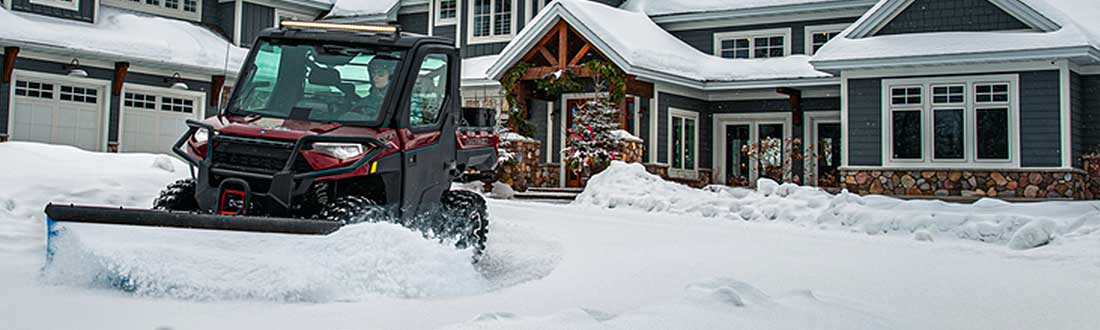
{"x": 763, "y": 11}
{"x": 139, "y": 61}
{"x": 1077, "y": 54}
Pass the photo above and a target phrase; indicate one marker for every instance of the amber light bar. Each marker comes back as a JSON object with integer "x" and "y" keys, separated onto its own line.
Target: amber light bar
{"x": 336, "y": 26}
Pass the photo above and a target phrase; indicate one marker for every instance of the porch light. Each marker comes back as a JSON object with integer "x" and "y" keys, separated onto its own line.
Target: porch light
{"x": 75, "y": 70}
{"x": 179, "y": 84}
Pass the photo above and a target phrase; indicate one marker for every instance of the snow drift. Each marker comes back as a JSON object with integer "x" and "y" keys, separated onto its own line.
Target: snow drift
{"x": 1019, "y": 225}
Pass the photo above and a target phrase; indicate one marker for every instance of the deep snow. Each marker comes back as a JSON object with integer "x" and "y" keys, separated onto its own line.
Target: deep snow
{"x": 581, "y": 266}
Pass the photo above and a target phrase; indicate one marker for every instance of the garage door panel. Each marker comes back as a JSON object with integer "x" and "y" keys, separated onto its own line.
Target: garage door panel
{"x": 148, "y": 125}
{"x": 42, "y": 116}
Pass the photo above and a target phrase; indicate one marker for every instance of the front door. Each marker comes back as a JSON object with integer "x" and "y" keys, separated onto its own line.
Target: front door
{"x": 754, "y": 149}
{"x": 828, "y": 154}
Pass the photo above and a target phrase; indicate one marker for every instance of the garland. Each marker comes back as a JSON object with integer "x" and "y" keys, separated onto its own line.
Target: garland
{"x": 564, "y": 81}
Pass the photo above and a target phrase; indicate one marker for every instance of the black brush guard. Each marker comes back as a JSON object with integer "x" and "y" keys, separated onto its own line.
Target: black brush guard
{"x": 283, "y": 185}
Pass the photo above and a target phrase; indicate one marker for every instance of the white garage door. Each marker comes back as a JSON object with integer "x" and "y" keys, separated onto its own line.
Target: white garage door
{"x": 57, "y": 112}
{"x": 153, "y": 120}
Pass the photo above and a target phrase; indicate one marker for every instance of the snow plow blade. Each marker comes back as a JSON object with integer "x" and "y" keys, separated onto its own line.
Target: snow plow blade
{"x": 139, "y": 217}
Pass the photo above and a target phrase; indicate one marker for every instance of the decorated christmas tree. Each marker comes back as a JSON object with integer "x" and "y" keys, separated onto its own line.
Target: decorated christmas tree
{"x": 592, "y": 143}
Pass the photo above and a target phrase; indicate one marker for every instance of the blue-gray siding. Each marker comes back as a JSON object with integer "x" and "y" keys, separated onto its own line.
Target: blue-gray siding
{"x": 85, "y": 11}
{"x": 444, "y": 31}
{"x": 555, "y": 130}
{"x": 951, "y": 15}
{"x": 537, "y": 109}
{"x": 667, "y": 100}
{"x": 475, "y": 50}
{"x": 645, "y": 116}
{"x": 1077, "y": 117}
{"x": 1040, "y": 119}
{"x": 225, "y": 19}
{"x": 864, "y": 122}
{"x": 703, "y": 39}
{"x": 415, "y": 23}
{"x": 255, "y": 18}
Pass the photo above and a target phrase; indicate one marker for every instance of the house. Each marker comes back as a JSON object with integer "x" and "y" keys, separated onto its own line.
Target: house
{"x": 975, "y": 97}
{"x": 123, "y": 75}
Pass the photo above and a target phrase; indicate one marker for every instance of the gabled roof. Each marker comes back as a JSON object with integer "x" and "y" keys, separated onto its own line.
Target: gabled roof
{"x": 137, "y": 38}
{"x": 1061, "y": 29}
{"x": 677, "y": 7}
{"x": 642, "y": 48}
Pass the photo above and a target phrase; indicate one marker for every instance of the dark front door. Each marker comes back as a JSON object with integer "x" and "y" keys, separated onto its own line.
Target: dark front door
{"x": 738, "y": 139}
{"x": 828, "y": 155}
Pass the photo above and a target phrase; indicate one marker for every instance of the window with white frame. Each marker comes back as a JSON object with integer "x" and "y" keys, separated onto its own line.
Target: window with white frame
{"x": 684, "y": 143}
{"x": 951, "y": 121}
{"x": 78, "y": 94}
{"x": 446, "y": 12}
{"x": 63, "y": 4}
{"x": 818, "y": 35}
{"x": 184, "y": 9}
{"x": 175, "y": 104}
{"x": 536, "y": 6}
{"x": 33, "y": 89}
{"x": 150, "y": 102}
{"x": 491, "y": 20}
{"x": 753, "y": 44}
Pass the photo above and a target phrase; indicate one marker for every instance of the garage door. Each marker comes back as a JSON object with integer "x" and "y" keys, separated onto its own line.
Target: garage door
{"x": 57, "y": 112}
{"x": 153, "y": 120}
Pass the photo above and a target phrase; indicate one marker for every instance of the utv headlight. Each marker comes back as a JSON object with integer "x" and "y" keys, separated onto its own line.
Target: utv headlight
{"x": 339, "y": 150}
{"x": 201, "y": 135}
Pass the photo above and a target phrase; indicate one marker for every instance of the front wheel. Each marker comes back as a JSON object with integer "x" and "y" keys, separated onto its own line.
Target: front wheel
{"x": 467, "y": 211}
{"x": 178, "y": 196}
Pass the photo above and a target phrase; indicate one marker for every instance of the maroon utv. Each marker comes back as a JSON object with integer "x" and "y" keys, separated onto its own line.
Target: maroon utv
{"x": 329, "y": 125}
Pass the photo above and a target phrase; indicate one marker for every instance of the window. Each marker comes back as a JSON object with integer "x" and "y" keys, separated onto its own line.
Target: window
{"x": 140, "y": 101}
{"x": 753, "y": 44}
{"x": 684, "y": 141}
{"x": 430, "y": 91}
{"x": 78, "y": 94}
{"x": 954, "y": 121}
{"x": 173, "y": 104}
{"x": 536, "y": 6}
{"x": 184, "y": 9}
{"x": 491, "y": 21}
{"x": 446, "y": 12}
{"x": 33, "y": 89}
{"x": 818, "y": 35}
{"x": 63, "y": 4}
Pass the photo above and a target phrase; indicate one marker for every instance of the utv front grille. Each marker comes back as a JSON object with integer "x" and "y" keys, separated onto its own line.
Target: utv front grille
{"x": 255, "y": 155}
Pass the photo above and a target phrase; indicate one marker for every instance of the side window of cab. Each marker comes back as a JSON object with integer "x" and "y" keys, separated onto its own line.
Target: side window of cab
{"x": 429, "y": 91}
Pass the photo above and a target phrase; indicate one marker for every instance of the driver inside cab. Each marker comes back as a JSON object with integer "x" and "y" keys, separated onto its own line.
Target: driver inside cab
{"x": 380, "y": 71}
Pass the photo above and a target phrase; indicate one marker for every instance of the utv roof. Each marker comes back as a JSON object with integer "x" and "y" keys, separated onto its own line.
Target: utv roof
{"x": 352, "y": 33}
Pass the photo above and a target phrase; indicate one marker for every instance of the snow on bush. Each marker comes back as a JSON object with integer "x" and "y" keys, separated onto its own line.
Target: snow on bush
{"x": 1019, "y": 225}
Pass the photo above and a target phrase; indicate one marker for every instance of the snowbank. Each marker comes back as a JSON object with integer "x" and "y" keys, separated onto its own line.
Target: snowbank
{"x": 1019, "y": 226}
{"x": 127, "y": 35}
{"x": 358, "y": 261}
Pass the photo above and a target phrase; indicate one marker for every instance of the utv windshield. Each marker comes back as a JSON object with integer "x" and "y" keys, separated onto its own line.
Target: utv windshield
{"x": 317, "y": 82}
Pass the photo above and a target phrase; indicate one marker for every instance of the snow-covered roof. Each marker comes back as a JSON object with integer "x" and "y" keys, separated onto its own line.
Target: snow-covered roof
{"x": 140, "y": 39}
{"x": 674, "y": 7}
{"x": 1060, "y": 29}
{"x": 361, "y": 8}
{"x": 642, "y": 48}
{"x": 474, "y": 70}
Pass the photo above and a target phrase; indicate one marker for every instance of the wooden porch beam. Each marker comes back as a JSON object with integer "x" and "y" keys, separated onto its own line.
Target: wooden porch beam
{"x": 580, "y": 54}
{"x": 537, "y": 73}
{"x": 121, "y": 69}
{"x": 563, "y": 46}
{"x": 549, "y": 57}
{"x": 10, "y": 54}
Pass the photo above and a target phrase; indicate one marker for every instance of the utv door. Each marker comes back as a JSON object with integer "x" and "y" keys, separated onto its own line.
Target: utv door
{"x": 428, "y": 128}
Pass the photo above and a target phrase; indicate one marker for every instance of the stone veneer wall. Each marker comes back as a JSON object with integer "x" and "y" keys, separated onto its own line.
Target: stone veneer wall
{"x": 968, "y": 183}
{"x": 525, "y": 170}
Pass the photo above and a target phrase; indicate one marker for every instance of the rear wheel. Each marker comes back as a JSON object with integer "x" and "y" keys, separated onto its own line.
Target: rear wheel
{"x": 466, "y": 211}
{"x": 353, "y": 209}
{"x": 178, "y": 196}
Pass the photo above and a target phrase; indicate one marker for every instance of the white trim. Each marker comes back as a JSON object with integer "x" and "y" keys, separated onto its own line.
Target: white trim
{"x": 809, "y": 30}
{"x": 753, "y": 34}
{"x": 492, "y": 37}
{"x": 972, "y": 69}
{"x": 970, "y": 107}
{"x": 104, "y": 87}
{"x": 844, "y": 123}
{"x": 199, "y": 97}
{"x": 549, "y": 130}
{"x": 1080, "y": 54}
{"x": 1066, "y": 113}
{"x": 431, "y": 17}
{"x": 529, "y": 10}
{"x": 458, "y": 26}
{"x": 159, "y": 8}
{"x": 684, "y": 173}
{"x": 74, "y": 5}
{"x": 654, "y": 113}
{"x": 95, "y": 62}
{"x": 809, "y": 136}
{"x": 436, "y": 8}
{"x": 238, "y": 10}
{"x": 721, "y": 120}
{"x": 764, "y": 15}
{"x": 637, "y": 116}
{"x": 1086, "y": 69}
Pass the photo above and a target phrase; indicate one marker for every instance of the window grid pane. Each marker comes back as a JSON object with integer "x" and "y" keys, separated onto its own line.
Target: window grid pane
{"x": 172, "y": 4}
{"x": 482, "y": 17}
{"x": 502, "y": 17}
{"x": 768, "y": 46}
{"x": 448, "y": 9}
{"x": 948, "y": 94}
{"x": 735, "y": 48}
{"x": 34, "y": 89}
{"x": 820, "y": 38}
{"x": 905, "y": 96}
{"x": 906, "y": 134}
{"x": 190, "y": 5}
{"x": 989, "y": 93}
{"x": 949, "y": 138}
{"x": 992, "y": 133}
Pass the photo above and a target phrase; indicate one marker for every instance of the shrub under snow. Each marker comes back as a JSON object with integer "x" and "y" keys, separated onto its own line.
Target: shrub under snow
{"x": 1019, "y": 225}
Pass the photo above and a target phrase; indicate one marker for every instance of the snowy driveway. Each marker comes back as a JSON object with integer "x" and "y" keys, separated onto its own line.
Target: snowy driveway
{"x": 586, "y": 267}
